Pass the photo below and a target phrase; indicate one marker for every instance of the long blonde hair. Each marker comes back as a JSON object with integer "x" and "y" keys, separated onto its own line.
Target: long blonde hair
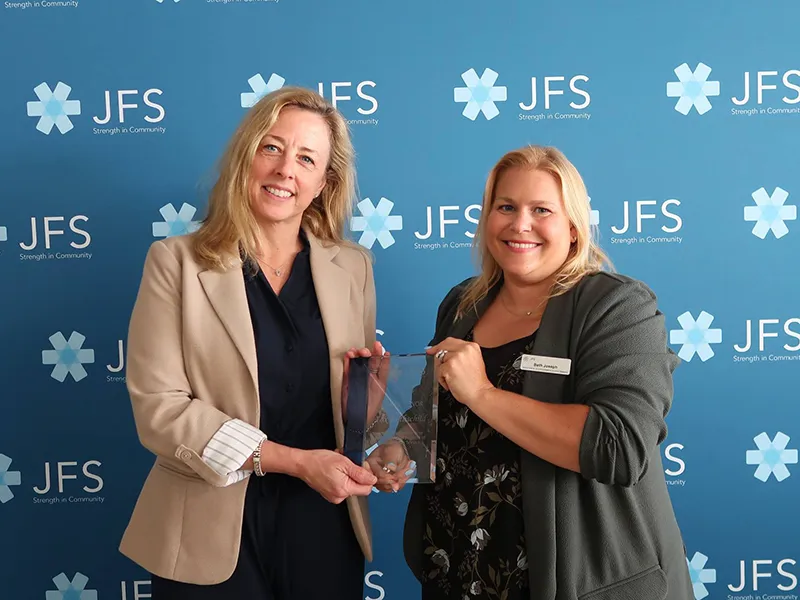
{"x": 230, "y": 229}
{"x": 585, "y": 255}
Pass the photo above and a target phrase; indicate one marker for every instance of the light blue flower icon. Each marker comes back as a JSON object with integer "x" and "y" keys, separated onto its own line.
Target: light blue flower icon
{"x": 700, "y": 575}
{"x": 260, "y": 88}
{"x": 480, "y": 94}
{"x": 692, "y": 89}
{"x": 53, "y": 108}
{"x": 695, "y": 337}
{"x": 71, "y": 590}
{"x": 376, "y": 223}
{"x": 176, "y": 222}
{"x": 770, "y": 213}
{"x": 68, "y": 356}
{"x": 772, "y": 456}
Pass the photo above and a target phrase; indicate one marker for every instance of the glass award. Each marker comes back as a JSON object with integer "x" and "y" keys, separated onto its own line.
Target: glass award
{"x": 390, "y": 411}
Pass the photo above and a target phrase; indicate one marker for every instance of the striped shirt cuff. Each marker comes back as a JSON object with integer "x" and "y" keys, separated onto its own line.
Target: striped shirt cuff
{"x": 230, "y": 447}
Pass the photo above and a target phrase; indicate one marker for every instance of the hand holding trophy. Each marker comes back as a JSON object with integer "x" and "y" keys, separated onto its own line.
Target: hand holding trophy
{"x": 389, "y": 407}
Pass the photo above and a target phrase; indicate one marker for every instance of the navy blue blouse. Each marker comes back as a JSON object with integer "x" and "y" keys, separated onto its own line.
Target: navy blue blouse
{"x": 293, "y": 359}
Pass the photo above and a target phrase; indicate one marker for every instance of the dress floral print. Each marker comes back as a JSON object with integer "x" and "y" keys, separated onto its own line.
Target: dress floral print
{"x": 474, "y": 542}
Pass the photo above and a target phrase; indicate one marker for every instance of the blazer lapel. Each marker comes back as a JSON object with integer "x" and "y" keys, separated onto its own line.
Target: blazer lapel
{"x": 331, "y": 284}
{"x": 225, "y": 291}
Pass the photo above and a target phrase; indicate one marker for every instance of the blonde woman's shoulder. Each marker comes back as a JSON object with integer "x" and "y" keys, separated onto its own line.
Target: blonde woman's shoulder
{"x": 177, "y": 247}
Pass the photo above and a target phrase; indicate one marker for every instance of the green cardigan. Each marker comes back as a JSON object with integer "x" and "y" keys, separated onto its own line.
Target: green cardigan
{"x": 608, "y": 532}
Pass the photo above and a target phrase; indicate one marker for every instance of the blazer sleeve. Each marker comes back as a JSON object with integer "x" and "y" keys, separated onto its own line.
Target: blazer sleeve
{"x": 170, "y": 421}
{"x": 624, "y": 374}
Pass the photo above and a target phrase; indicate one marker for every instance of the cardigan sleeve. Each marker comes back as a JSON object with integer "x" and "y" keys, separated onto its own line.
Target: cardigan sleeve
{"x": 623, "y": 372}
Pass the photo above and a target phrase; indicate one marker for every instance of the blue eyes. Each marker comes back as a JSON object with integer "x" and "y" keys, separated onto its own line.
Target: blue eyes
{"x": 272, "y": 148}
{"x": 541, "y": 210}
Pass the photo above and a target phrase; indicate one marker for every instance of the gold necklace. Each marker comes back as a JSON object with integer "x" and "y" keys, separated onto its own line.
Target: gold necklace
{"x": 527, "y": 313}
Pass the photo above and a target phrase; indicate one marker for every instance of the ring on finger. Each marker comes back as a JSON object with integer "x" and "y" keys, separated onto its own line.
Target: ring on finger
{"x": 440, "y": 355}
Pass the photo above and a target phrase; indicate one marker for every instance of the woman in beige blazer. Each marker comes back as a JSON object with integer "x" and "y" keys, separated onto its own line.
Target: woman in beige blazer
{"x": 236, "y": 352}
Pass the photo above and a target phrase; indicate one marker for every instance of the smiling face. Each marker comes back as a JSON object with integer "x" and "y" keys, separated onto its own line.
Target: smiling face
{"x": 289, "y": 167}
{"x": 527, "y": 229}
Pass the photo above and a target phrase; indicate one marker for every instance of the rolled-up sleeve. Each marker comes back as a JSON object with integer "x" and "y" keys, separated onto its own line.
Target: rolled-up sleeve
{"x": 624, "y": 375}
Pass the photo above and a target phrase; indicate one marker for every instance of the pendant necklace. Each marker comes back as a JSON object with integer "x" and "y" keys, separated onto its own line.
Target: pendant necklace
{"x": 279, "y": 271}
{"x": 528, "y": 313}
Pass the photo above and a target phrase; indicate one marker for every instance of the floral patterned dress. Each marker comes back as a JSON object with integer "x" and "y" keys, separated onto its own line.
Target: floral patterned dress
{"x": 474, "y": 542}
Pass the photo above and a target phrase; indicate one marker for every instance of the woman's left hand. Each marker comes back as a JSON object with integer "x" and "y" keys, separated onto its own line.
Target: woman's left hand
{"x": 461, "y": 369}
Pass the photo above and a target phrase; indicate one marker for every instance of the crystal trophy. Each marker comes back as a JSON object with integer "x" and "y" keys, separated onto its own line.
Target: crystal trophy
{"x": 390, "y": 412}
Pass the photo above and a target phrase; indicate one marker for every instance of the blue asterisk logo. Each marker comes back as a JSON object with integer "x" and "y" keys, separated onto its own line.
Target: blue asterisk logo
{"x": 770, "y": 213}
{"x": 260, "y": 88}
{"x": 7, "y": 479}
{"x": 692, "y": 89}
{"x": 68, "y": 356}
{"x": 480, "y": 94}
{"x": 700, "y": 575}
{"x": 376, "y": 223}
{"x": 53, "y": 108}
{"x": 175, "y": 222}
{"x": 695, "y": 337}
{"x": 771, "y": 456}
{"x": 71, "y": 590}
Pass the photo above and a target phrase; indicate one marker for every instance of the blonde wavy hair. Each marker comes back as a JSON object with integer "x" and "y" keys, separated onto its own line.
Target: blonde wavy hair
{"x": 585, "y": 255}
{"x": 229, "y": 232}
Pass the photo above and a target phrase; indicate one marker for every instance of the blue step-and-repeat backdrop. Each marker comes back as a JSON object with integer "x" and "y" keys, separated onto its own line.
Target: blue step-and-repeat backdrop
{"x": 681, "y": 116}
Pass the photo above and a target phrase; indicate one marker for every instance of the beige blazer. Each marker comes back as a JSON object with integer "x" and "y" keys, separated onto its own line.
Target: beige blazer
{"x": 191, "y": 367}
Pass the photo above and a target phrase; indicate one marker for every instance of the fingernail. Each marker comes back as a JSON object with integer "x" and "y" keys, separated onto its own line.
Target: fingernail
{"x": 409, "y": 473}
{"x": 391, "y": 465}
{"x": 413, "y": 464}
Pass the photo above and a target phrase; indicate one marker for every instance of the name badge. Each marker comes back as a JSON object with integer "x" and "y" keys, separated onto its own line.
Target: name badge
{"x": 545, "y": 364}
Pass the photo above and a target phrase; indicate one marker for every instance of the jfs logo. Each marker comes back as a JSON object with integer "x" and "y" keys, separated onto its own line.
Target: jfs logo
{"x": 70, "y": 482}
{"x": 357, "y": 100}
{"x": 55, "y": 237}
{"x": 759, "y": 332}
{"x": 551, "y": 97}
{"x": 133, "y": 103}
{"x": 648, "y": 222}
{"x": 750, "y": 93}
{"x": 769, "y": 573}
{"x": 116, "y": 110}
{"x": 448, "y": 226}
{"x": 775, "y": 340}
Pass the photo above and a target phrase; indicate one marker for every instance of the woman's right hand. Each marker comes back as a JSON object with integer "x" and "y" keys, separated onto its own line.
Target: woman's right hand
{"x": 335, "y": 476}
{"x": 392, "y": 466}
